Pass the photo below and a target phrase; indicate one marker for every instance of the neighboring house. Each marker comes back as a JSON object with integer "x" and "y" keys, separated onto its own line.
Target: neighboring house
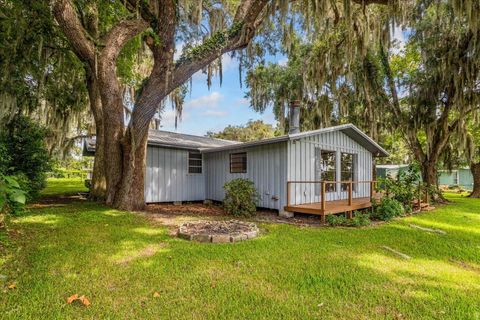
{"x": 390, "y": 170}
{"x": 461, "y": 177}
{"x": 183, "y": 167}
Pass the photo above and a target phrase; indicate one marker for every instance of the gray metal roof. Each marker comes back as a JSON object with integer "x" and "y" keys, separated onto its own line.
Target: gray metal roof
{"x": 349, "y": 129}
{"x": 185, "y": 141}
{"x": 171, "y": 140}
{"x": 206, "y": 144}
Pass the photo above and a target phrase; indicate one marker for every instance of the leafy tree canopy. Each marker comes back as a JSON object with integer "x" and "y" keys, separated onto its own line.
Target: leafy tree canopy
{"x": 252, "y": 131}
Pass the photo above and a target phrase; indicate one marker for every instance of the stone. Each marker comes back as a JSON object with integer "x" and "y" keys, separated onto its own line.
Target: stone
{"x": 218, "y": 231}
{"x": 202, "y": 237}
{"x": 221, "y": 238}
{"x": 207, "y": 202}
{"x": 238, "y": 237}
{"x": 285, "y": 214}
{"x": 185, "y": 236}
{"x": 177, "y": 203}
{"x": 251, "y": 234}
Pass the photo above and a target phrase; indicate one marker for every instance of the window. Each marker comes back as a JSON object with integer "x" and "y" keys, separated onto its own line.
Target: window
{"x": 194, "y": 162}
{"x": 347, "y": 170}
{"x": 238, "y": 162}
{"x": 327, "y": 168}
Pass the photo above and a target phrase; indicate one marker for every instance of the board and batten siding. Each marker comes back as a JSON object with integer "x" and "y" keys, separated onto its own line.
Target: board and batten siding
{"x": 167, "y": 178}
{"x": 301, "y": 166}
{"x": 266, "y": 167}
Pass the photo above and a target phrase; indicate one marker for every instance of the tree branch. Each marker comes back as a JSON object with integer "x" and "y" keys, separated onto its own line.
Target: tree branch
{"x": 119, "y": 35}
{"x": 68, "y": 20}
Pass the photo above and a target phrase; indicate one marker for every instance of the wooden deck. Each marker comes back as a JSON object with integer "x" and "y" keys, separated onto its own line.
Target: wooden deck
{"x": 331, "y": 207}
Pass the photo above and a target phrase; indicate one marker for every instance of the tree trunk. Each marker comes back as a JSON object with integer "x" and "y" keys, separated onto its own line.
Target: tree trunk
{"x": 114, "y": 128}
{"x": 430, "y": 179}
{"x": 130, "y": 195}
{"x": 99, "y": 183}
{"x": 475, "y": 169}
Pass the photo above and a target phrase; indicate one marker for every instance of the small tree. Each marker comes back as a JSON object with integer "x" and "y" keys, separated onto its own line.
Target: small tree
{"x": 22, "y": 141}
{"x": 240, "y": 197}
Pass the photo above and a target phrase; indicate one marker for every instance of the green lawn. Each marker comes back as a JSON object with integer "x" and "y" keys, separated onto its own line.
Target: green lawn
{"x": 64, "y": 186}
{"x": 119, "y": 259}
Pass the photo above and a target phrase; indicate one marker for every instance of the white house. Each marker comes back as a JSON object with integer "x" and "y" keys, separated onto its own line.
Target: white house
{"x": 287, "y": 171}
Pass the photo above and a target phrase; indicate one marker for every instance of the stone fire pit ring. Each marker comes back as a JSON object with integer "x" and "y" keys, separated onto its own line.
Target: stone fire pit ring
{"x": 218, "y": 231}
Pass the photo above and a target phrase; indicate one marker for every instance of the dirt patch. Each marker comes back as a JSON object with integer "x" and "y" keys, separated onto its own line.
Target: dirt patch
{"x": 174, "y": 215}
{"x": 190, "y": 209}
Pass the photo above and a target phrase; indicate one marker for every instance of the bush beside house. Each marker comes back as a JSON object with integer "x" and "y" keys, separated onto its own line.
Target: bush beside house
{"x": 240, "y": 197}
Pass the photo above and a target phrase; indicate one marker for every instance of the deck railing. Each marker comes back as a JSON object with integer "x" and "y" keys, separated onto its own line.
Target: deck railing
{"x": 323, "y": 190}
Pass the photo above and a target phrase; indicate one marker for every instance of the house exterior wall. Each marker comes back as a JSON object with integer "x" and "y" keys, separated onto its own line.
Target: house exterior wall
{"x": 266, "y": 167}
{"x": 167, "y": 178}
{"x": 301, "y": 166}
{"x": 461, "y": 177}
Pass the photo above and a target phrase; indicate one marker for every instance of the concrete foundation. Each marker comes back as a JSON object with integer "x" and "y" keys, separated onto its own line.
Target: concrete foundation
{"x": 285, "y": 214}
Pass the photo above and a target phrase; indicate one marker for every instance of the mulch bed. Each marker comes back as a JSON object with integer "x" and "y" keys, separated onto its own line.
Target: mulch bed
{"x": 162, "y": 210}
{"x": 191, "y": 209}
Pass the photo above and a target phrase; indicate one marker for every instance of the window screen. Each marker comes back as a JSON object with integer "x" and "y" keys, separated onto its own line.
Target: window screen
{"x": 329, "y": 171}
{"x": 194, "y": 162}
{"x": 238, "y": 162}
{"x": 347, "y": 170}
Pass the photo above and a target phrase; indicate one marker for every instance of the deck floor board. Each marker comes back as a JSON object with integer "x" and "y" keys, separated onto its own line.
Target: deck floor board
{"x": 331, "y": 207}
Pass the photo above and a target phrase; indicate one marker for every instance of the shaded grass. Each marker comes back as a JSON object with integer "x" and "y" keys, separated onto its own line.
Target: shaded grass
{"x": 63, "y": 186}
{"x": 289, "y": 272}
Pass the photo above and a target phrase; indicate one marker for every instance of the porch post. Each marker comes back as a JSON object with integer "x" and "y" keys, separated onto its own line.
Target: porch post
{"x": 323, "y": 195}
{"x": 350, "y": 194}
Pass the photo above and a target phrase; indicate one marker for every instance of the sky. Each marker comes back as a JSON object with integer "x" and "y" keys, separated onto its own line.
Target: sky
{"x": 215, "y": 108}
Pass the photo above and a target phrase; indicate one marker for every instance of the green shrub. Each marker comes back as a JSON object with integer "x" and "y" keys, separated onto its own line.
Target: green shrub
{"x": 404, "y": 188}
{"x": 12, "y": 197}
{"x": 359, "y": 219}
{"x": 387, "y": 209}
{"x": 240, "y": 197}
{"x": 26, "y": 156}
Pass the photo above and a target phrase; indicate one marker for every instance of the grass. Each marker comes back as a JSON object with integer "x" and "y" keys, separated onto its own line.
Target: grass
{"x": 64, "y": 186}
{"x": 119, "y": 259}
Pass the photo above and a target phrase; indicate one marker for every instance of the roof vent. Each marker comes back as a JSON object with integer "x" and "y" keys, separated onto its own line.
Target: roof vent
{"x": 294, "y": 123}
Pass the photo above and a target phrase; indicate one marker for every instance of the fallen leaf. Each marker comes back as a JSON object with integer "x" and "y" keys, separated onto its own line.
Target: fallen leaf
{"x": 84, "y": 301}
{"x": 72, "y": 298}
{"x": 12, "y": 286}
{"x": 156, "y": 294}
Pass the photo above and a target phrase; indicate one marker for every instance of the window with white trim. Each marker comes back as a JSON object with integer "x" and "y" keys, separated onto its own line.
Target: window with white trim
{"x": 194, "y": 162}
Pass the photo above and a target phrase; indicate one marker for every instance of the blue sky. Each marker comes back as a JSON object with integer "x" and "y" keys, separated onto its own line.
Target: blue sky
{"x": 212, "y": 110}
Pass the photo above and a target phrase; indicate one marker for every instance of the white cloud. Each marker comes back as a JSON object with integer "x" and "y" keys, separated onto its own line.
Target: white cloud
{"x": 228, "y": 62}
{"x": 178, "y": 50}
{"x": 398, "y": 36}
{"x": 168, "y": 118}
{"x": 242, "y": 102}
{"x": 215, "y": 113}
{"x": 283, "y": 62}
{"x": 210, "y": 100}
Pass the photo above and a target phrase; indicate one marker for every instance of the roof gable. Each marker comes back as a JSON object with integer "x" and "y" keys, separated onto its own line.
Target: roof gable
{"x": 348, "y": 129}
